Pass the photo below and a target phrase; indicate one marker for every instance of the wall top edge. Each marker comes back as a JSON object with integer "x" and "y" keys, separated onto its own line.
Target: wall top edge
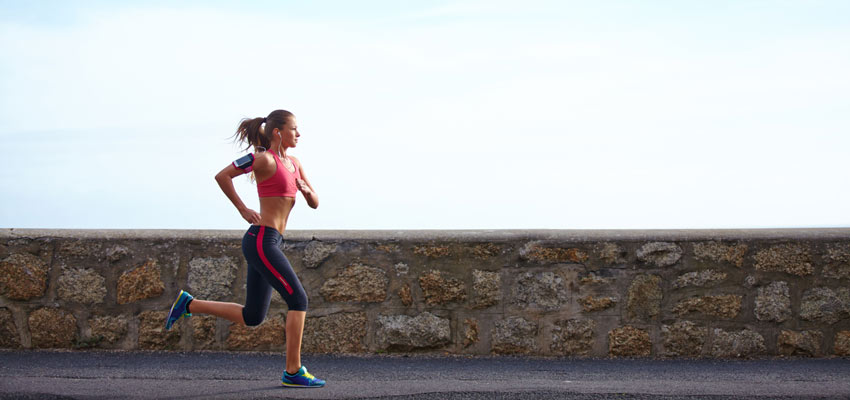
{"x": 573, "y": 235}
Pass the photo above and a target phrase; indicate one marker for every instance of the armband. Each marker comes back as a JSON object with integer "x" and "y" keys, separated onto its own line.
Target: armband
{"x": 245, "y": 163}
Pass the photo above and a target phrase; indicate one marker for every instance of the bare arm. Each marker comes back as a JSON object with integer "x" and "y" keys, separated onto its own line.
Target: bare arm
{"x": 225, "y": 182}
{"x": 306, "y": 188}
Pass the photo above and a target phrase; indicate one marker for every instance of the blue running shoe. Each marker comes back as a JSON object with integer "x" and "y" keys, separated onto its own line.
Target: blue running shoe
{"x": 302, "y": 379}
{"x": 178, "y": 309}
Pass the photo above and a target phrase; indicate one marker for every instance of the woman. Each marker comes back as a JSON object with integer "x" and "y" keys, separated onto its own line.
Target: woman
{"x": 279, "y": 176}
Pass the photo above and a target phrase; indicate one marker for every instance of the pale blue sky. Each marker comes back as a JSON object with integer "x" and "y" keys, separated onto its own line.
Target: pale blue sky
{"x": 431, "y": 115}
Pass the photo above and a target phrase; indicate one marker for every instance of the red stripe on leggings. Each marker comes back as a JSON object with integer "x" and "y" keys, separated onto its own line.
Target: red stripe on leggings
{"x": 266, "y": 260}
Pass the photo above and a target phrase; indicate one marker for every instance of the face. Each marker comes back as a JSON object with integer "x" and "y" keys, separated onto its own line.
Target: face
{"x": 289, "y": 133}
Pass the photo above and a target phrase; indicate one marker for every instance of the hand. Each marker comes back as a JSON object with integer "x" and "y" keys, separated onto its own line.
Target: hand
{"x": 250, "y": 215}
{"x": 302, "y": 186}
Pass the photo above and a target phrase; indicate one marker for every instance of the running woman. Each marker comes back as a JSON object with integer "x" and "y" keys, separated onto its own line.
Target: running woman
{"x": 279, "y": 177}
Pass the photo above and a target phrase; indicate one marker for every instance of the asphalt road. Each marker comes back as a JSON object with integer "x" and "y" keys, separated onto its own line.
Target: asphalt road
{"x": 213, "y": 375}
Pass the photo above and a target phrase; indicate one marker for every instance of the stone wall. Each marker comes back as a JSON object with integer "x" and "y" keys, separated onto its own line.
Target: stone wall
{"x": 691, "y": 293}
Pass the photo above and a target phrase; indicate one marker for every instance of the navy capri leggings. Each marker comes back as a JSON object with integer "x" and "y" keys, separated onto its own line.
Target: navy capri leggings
{"x": 268, "y": 268}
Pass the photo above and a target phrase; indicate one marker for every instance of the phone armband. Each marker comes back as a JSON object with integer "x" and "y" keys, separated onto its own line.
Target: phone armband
{"x": 245, "y": 163}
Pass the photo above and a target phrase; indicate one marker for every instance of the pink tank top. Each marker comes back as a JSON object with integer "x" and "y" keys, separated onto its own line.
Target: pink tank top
{"x": 282, "y": 183}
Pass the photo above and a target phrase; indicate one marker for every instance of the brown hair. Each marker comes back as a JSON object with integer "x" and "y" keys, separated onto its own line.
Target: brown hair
{"x": 252, "y": 132}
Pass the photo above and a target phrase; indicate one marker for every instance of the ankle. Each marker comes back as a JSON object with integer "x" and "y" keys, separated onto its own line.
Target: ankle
{"x": 295, "y": 369}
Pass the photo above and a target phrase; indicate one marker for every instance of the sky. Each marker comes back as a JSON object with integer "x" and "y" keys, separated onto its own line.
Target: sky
{"x": 431, "y": 114}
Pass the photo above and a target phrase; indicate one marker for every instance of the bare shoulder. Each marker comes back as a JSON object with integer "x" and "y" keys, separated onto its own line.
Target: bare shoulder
{"x": 263, "y": 159}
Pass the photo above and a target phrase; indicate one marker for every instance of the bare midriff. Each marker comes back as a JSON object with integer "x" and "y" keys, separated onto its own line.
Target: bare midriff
{"x": 274, "y": 211}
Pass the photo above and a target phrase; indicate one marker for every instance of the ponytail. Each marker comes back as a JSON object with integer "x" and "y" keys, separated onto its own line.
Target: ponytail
{"x": 256, "y": 132}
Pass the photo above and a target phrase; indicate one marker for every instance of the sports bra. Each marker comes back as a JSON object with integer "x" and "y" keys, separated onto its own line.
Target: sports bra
{"x": 282, "y": 183}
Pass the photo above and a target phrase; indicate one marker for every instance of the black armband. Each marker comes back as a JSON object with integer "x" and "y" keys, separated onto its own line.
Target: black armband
{"x": 245, "y": 163}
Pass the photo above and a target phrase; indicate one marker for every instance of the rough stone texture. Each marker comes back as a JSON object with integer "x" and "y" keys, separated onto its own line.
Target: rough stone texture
{"x": 486, "y": 250}
{"x": 514, "y": 335}
{"x": 590, "y": 303}
{"x": 401, "y": 332}
{"x": 387, "y": 248}
{"x": 716, "y": 251}
{"x": 806, "y": 343}
{"x": 683, "y": 339}
{"x": 594, "y": 279}
{"x": 83, "y": 286}
{"x": 203, "y": 331}
{"x": 143, "y": 282}
{"x": 773, "y": 302}
{"x": 9, "y": 338}
{"x": 22, "y": 276}
{"x": 837, "y": 261}
{"x": 405, "y": 296}
{"x": 109, "y": 329}
{"x": 210, "y": 277}
{"x": 573, "y": 337}
{"x": 440, "y": 290}
{"x": 842, "y": 343}
{"x": 544, "y": 290}
{"x": 825, "y": 305}
{"x": 790, "y": 258}
{"x": 270, "y": 335}
{"x": 722, "y": 306}
{"x": 432, "y": 251}
{"x": 152, "y": 333}
{"x": 357, "y": 282}
{"x": 750, "y": 281}
{"x": 703, "y": 278}
{"x": 535, "y": 252}
{"x": 487, "y": 288}
{"x": 470, "y": 335}
{"x": 317, "y": 252}
{"x": 644, "y": 301}
{"x": 660, "y": 254}
{"x": 335, "y": 333}
{"x": 79, "y": 248}
{"x": 629, "y": 341}
{"x": 52, "y": 328}
{"x": 401, "y": 269}
{"x": 116, "y": 253}
{"x": 744, "y": 343}
{"x": 612, "y": 253}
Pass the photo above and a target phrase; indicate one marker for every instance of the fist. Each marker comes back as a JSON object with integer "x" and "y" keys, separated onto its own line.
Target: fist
{"x": 302, "y": 186}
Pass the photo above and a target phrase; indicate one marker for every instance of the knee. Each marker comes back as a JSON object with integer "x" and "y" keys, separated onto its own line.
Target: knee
{"x": 252, "y": 318}
{"x": 298, "y": 302}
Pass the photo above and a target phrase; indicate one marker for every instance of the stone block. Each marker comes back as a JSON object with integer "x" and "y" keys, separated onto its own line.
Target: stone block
{"x": 152, "y": 333}
{"x": 825, "y": 305}
{"x": 704, "y": 278}
{"x": 335, "y": 333}
{"x": 487, "y": 287}
{"x": 721, "y": 306}
{"x": 611, "y": 253}
{"x": 573, "y": 337}
{"x": 79, "y": 248}
{"x": 590, "y": 303}
{"x": 110, "y": 329}
{"x": 805, "y": 343}
{"x": 211, "y": 277}
{"x": 837, "y": 261}
{"x": 683, "y": 339}
{"x": 629, "y": 341}
{"x": 317, "y": 252}
{"x": 357, "y": 282}
{"x": 485, "y": 251}
{"x": 438, "y": 289}
{"x": 83, "y": 286}
{"x": 9, "y": 337}
{"x": 773, "y": 302}
{"x": 142, "y": 282}
{"x": 644, "y": 301}
{"x": 793, "y": 259}
{"x": 535, "y": 251}
{"x": 405, "y": 295}
{"x": 660, "y": 254}
{"x": 432, "y": 251}
{"x": 470, "y": 336}
{"x": 405, "y": 333}
{"x": 23, "y": 276}
{"x": 594, "y": 279}
{"x": 52, "y": 328}
{"x": 842, "y": 343}
{"x": 542, "y": 290}
{"x": 203, "y": 332}
{"x": 720, "y": 252}
{"x": 744, "y": 343}
{"x": 270, "y": 335}
{"x": 514, "y": 335}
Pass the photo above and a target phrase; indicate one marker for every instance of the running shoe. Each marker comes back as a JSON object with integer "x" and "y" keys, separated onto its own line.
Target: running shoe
{"x": 178, "y": 309}
{"x": 302, "y": 379}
